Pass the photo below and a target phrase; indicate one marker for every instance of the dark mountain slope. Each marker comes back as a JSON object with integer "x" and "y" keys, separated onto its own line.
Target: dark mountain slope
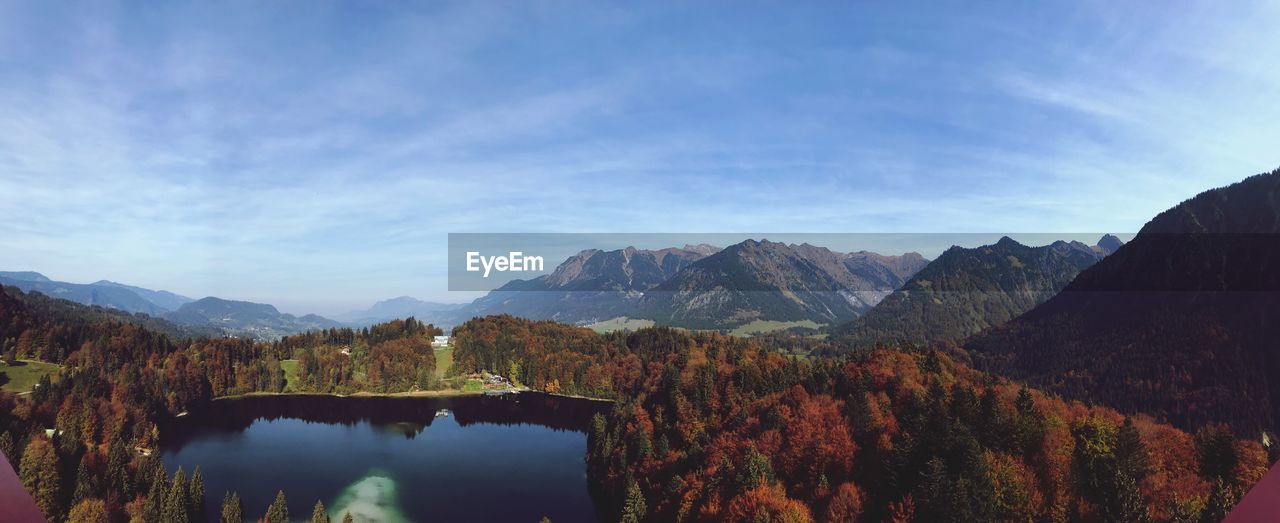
{"x": 967, "y": 290}
{"x": 774, "y": 281}
{"x": 1182, "y": 321}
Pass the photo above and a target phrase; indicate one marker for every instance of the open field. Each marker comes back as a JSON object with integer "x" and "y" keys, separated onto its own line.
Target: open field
{"x": 620, "y": 323}
{"x": 444, "y": 361}
{"x": 290, "y": 368}
{"x": 765, "y": 326}
{"x": 23, "y": 377}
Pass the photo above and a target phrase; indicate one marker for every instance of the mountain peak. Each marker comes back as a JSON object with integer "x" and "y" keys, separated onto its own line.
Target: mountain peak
{"x": 1007, "y": 242}
{"x": 1109, "y": 243}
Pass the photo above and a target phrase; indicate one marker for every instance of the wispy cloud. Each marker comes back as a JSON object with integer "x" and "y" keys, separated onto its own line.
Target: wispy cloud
{"x": 316, "y": 155}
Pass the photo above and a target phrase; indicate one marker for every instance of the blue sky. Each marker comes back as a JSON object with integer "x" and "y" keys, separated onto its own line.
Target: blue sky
{"x": 315, "y": 155}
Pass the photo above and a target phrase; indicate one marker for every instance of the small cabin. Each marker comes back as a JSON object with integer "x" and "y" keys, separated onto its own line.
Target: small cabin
{"x": 440, "y": 341}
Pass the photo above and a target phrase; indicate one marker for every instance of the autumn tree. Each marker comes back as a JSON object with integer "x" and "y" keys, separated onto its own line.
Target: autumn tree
{"x": 40, "y": 476}
{"x": 89, "y": 510}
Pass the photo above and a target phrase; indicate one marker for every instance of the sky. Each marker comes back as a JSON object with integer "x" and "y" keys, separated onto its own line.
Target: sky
{"x": 316, "y": 155}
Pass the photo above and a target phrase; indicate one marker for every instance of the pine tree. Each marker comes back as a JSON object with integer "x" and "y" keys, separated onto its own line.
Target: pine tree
{"x": 86, "y": 482}
{"x": 278, "y": 512}
{"x": 633, "y": 511}
{"x": 1221, "y": 499}
{"x": 39, "y": 474}
{"x": 118, "y": 466}
{"x": 347, "y": 518}
{"x": 232, "y": 510}
{"x": 175, "y": 501}
{"x": 1131, "y": 453}
{"x": 195, "y": 498}
{"x": 1215, "y": 447}
{"x": 153, "y": 510}
{"x": 318, "y": 515}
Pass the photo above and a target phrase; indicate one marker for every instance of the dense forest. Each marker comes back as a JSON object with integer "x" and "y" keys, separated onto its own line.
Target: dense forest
{"x": 704, "y": 427}
{"x": 709, "y": 427}
{"x": 394, "y": 356}
{"x": 83, "y": 443}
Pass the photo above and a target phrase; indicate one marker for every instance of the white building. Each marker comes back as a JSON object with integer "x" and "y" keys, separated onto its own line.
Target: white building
{"x": 440, "y": 341}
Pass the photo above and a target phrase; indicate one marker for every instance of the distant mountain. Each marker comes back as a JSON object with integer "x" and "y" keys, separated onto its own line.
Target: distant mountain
{"x": 52, "y": 307}
{"x": 24, "y": 276}
{"x": 967, "y": 290}
{"x": 255, "y": 320}
{"x": 590, "y": 286}
{"x": 163, "y": 299}
{"x": 771, "y": 281}
{"x": 1181, "y": 321}
{"x": 401, "y": 307}
{"x": 107, "y": 296}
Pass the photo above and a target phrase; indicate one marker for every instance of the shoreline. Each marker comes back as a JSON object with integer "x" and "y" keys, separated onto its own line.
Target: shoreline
{"x": 412, "y": 394}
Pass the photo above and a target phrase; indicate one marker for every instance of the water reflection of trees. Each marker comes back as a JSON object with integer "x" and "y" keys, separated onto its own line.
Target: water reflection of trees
{"x": 409, "y": 416}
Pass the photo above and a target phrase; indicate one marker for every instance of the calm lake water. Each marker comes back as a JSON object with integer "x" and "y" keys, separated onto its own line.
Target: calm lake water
{"x": 513, "y": 458}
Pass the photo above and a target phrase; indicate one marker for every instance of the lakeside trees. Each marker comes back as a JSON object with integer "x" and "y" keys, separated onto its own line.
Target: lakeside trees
{"x": 394, "y": 356}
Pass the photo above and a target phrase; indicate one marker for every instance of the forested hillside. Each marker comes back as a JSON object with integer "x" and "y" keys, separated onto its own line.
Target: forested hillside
{"x": 967, "y": 290}
{"x": 709, "y": 427}
{"x": 83, "y": 442}
{"x": 1180, "y": 322}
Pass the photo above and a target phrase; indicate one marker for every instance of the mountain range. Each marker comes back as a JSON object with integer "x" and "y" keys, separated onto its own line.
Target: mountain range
{"x": 205, "y": 316}
{"x": 771, "y": 281}
{"x": 967, "y": 290}
{"x": 398, "y": 307}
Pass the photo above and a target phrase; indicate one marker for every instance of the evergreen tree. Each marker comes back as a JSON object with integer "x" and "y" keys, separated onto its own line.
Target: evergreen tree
{"x": 633, "y": 510}
{"x": 278, "y": 512}
{"x": 40, "y": 476}
{"x": 176, "y": 500}
{"x": 1131, "y": 453}
{"x": 153, "y": 510}
{"x": 1215, "y": 447}
{"x": 1128, "y": 504}
{"x": 232, "y": 510}
{"x": 935, "y": 494}
{"x": 86, "y": 482}
{"x": 346, "y": 518}
{"x": 195, "y": 498}
{"x": 318, "y": 515}
{"x": 756, "y": 470}
{"x": 1221, "y": 499}
{"x": 118, "y": 478}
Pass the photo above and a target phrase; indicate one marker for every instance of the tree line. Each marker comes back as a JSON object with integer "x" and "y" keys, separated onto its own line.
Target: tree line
{"x": 708, "y": 427}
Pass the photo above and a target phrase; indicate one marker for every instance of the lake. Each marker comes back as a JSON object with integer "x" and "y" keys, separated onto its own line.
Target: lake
{"x": 512, "y": 458}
